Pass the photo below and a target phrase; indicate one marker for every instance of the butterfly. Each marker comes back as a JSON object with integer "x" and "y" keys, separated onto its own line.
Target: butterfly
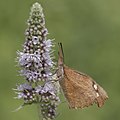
{"x": 79, "y": 89}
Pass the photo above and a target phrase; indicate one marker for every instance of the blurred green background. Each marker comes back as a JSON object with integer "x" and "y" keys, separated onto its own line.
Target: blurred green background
{"x": 90, "y": 33}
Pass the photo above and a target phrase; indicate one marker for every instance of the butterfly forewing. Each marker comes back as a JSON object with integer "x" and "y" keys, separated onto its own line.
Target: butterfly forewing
{"x": 79, "y": 89}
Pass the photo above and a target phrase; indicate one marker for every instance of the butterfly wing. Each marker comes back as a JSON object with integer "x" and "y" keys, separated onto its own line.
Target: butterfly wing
{"x": 81, "y": 90}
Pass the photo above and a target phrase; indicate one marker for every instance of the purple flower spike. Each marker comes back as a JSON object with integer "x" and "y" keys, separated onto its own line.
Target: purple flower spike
{"x": 37, "y": 66}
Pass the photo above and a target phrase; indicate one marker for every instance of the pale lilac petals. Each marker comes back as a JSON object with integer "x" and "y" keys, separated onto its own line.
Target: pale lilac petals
{"x": 48, "y": 87}
{"x": 49, "y": 62}
{"x": 28, "y": 60}
{"x": 31, "y": 75}
{"x": 23, "y": 87}
{"x": 48, "y": 43}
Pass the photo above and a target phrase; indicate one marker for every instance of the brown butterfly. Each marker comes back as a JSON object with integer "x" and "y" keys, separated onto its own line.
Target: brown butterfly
{"x": 79, "y": 89}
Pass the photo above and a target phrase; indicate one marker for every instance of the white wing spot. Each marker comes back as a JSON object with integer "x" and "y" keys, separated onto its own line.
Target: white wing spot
{"x": 95, "y": 87}
{"x": 97, "y": 94}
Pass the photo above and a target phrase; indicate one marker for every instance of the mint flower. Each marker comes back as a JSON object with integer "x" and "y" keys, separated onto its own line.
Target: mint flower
{"x": 36, "y": 57}
{"x": 37, "y": 66}
{"x": 27, "y": 93}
